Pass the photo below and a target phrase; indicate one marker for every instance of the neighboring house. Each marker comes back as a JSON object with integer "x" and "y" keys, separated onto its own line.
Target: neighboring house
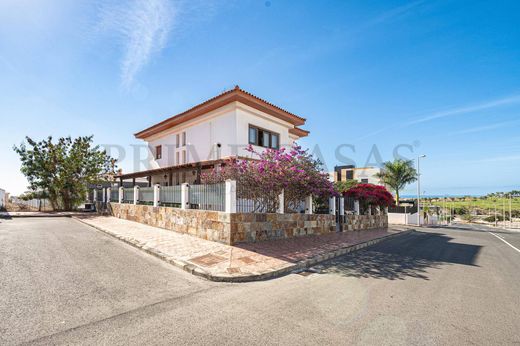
{"x": 203, "y": 137}
{"x": 364, "y": 175}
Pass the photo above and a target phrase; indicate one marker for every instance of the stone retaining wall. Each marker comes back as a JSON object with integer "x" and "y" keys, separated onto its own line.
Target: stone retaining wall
{"x": 205, "y": 224}
{"x": 249, "y": 228}
{"x": 240, "y": 227}
{"x": 363, "y": 222}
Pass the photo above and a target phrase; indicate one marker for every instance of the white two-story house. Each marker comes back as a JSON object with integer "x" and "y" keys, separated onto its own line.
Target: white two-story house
{"x": 205, "y": 136}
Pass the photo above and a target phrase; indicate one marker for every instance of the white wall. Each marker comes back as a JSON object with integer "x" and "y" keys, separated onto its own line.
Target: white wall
{"x": 2, "y": 198}
{"x": 249, "y": 116}
{"x": 367, "y": 173}
{"x": 410, "y": 219}
{"x": 228, "y": 125}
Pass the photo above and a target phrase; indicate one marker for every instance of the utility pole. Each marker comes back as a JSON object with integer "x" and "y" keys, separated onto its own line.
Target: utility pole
{"x": 495, "y": 212}
{"x": 510, "y": 210}
{"x": 419, "y": 190}
{"x": 504, "y": 211}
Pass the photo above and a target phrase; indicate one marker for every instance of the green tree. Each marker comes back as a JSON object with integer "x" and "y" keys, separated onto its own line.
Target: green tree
{"x": 62, "y": 170}
{"x": 345, "y": 185}
{"x": 397, "y": 174}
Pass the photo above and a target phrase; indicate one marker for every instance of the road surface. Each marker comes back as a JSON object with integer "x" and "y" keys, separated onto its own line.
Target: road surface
{"x": 62, "y": 282}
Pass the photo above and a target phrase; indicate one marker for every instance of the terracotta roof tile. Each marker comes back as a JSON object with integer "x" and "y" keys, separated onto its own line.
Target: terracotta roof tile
{"x": 235, "y": 94}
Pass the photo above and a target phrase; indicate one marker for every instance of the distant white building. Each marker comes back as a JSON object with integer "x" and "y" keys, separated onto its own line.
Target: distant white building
{"x": 3, "y": 198}
{"x": 363, "y": 175}
{"x": 204, "y": 136}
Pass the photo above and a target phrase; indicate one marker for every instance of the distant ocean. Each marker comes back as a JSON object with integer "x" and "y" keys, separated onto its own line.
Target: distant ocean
{"x": 439, "y": 196}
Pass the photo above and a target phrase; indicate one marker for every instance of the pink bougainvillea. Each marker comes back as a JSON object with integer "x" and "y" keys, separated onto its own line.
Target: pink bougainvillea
{"x": 291, "y": 170}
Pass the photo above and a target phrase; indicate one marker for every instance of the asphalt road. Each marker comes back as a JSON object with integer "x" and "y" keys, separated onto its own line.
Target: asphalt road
{"x": 62, "y": 282}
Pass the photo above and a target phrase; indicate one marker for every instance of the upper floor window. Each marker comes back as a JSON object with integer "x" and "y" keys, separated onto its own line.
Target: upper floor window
{"x": 177, "y": 140}
{"x": 263, "y": 138}
{"x": 184, "y": 156}
{"x": 184, "y": 139}
{"x": 158, "y": 152}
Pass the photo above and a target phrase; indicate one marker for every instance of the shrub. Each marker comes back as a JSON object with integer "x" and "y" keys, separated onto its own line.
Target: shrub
{"x": 370, "y": 195}
{"x": 293, "y": 171}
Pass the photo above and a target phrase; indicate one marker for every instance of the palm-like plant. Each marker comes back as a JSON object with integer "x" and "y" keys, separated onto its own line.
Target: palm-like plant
{"x": 397, "y": 175}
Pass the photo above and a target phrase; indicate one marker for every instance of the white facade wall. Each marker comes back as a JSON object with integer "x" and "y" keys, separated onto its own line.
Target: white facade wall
{"x": 227, "y": 126}
{"x": 368, "y": 173}
{"x": 249, "y": 116}
{"x": 3, "y": 200}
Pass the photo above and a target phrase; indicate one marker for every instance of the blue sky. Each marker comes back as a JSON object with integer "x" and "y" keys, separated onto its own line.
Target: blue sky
{"x": 440, "y": 78}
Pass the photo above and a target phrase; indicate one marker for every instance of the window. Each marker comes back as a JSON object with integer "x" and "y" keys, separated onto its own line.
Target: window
{"x": 253, "y": 135}
{"x": 177, "y": 141}
{"x": 184, "y": 156}
{"x": 364, "y": 181}
{"x": 177, "y": 160}
{"x": 350, "y": 174}
{"x": 184, "y": 139}
{"x": 274, "y": 141}
{"x": 263, "y": 138}
{"x": 158, "y": 152}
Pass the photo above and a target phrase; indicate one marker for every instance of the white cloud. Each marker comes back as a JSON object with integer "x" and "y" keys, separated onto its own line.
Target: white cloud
{"x": 467, "y": 109}
{"x": 484, "y": 128}
{"x": 143, "y": 29}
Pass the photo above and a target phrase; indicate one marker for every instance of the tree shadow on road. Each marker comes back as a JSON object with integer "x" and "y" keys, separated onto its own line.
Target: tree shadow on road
{"x": 407, "y": 256}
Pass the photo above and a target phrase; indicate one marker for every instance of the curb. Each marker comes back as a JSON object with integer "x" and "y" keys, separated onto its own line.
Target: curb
{"x": 36, "y": 216}
{"x": 294, "y": 268}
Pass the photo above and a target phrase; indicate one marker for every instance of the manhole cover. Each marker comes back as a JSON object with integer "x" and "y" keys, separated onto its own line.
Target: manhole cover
{"x": 207, "y": 260}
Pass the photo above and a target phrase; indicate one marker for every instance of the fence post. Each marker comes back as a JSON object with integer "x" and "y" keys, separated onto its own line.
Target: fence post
{"x": 369, "y": 209}
{"x": 108, "y": 193}
{"x": 136, "y": 194}
{"x": 94, "y": 196}
{"x": 356, "y": 207}
{"x": 281, "y": 203}
{"x": 121, "y": 194}
{"x": 156, "y": 195}
{"x": 185, "y": 196}
{"x": 231, "y": 196}
{"x": 308, "y": 205}
{"x": 332, "y": 205}
{"x": 342, "y": 208}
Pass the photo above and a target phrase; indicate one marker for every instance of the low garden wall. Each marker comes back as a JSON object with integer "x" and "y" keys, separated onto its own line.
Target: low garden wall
{"x": 205, "y": 224}
{"x": 249, "y": 228}
{"x": 239, "y": 227}
{"x": 364, "y": 222}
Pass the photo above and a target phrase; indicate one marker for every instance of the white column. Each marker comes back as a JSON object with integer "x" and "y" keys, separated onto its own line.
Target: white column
{"x": 136, "y": 194}
{"x": 342, "y": 206}
{"x": 121, "y": 194}
{"x": 95, "y": 195}
{"x": 308, "y": 205}
{"x": 104, "y": 197}
{"x": 109, "y": 192}
{"x": 281, "y": 203}
{"x": 356, "y": 207}
{"x": 231, "y": 196}
{"x": 369, "y": 209}
{"x": 156, "y": 195}
{"x": 332, "y": 205}
{"x": 185, "y": 196}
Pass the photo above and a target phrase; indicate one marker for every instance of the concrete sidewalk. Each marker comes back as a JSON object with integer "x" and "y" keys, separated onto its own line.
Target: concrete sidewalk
{"x": 240, "y": 263}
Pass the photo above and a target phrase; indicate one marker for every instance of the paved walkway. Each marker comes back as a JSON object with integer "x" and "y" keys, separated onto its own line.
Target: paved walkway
{"x": 243, "y": 262}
